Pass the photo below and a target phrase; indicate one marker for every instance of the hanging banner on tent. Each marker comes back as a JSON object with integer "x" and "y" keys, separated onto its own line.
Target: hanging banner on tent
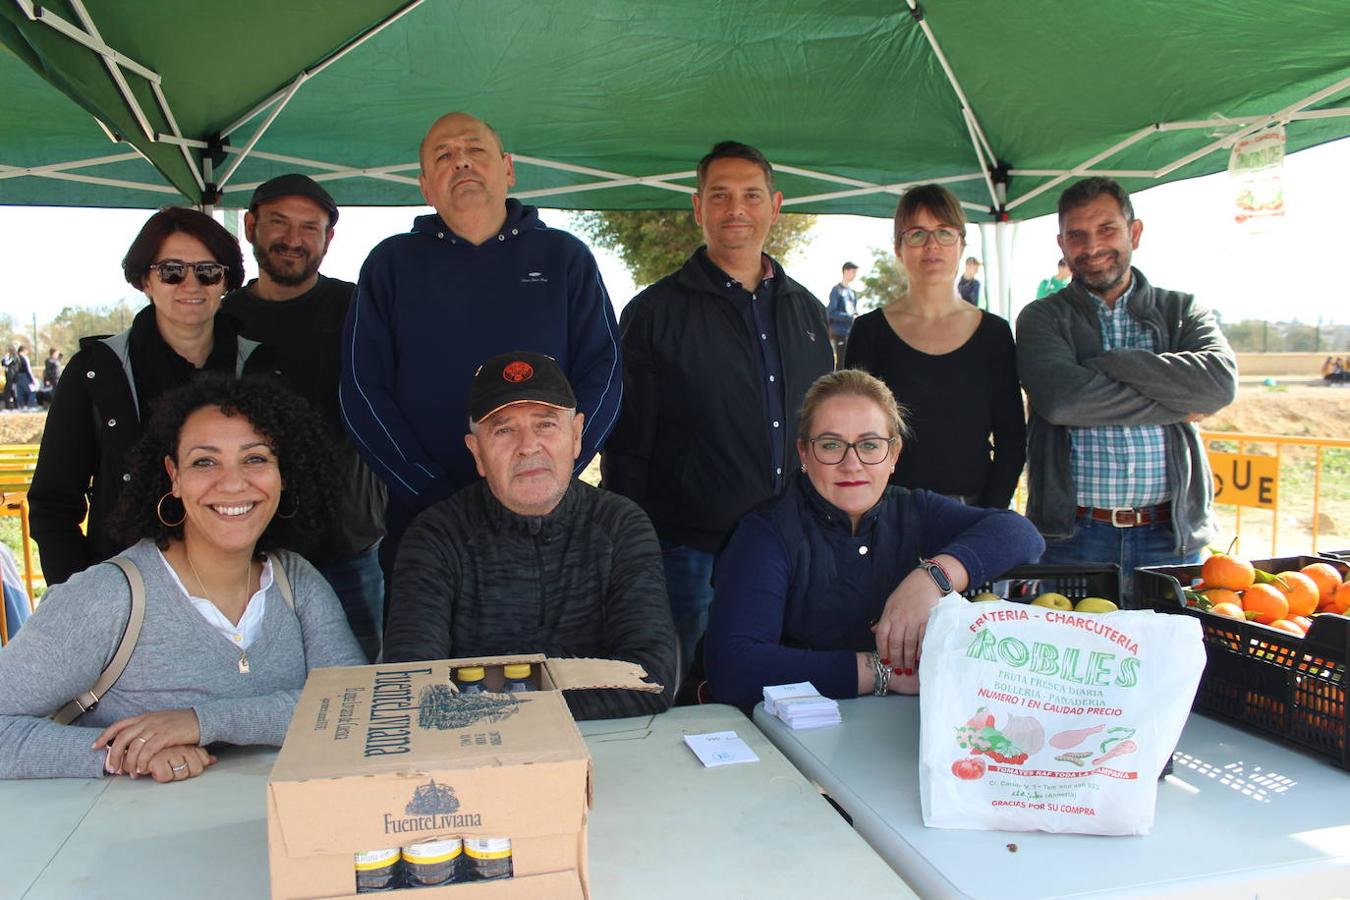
{"x": 1256, "y": 169}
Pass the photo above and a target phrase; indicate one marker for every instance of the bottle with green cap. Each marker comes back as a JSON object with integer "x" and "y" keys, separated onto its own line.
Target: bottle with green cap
{"x": 470, "y": 680}
{"x": 517, "y": 678}
{"x": 377, "y": 870}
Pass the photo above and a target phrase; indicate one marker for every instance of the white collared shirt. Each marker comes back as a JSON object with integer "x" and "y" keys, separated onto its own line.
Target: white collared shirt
{"x": 250, "y": 623}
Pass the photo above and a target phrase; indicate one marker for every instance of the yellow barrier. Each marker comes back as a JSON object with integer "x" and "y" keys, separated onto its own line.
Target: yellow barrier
{"x": 1272, "y": 501}
{"x": 17, "y": 462}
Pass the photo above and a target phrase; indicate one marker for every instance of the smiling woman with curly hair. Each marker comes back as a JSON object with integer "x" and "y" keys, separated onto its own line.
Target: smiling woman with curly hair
{"x": 228, "y": 473}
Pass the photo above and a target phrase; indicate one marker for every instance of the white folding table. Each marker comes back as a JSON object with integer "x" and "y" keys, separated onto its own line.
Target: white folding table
{"x": 1241, "y": 816}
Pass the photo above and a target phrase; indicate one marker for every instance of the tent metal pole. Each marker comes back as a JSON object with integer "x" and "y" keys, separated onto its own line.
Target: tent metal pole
{"x": 599, "y": 185}
{"x": 1110, "y": 173}
{"x": 108, "y": 182}
{"x": 1083, "y": 166}
{"x": 1333, "y": 112}
{"x": 52, "y": 20}
{"x": 974, "y": 124}
{"x": 15, "y": 171}
{"x": 178, "y": 132}
{"x": 320, "y": 66}
{"x": 897, "y": 188}
{"x": 824, "y": 176}
{"x": 985, "y": 163}
{"x": 1003, "y": 250}
{"x": 262, "y": 129}
{"x": 1281, "y": 116}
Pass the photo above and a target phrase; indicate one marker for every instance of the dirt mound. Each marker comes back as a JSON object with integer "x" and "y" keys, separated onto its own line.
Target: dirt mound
{"x": 22, "y": 428}
{"x": 1314, "y": 411}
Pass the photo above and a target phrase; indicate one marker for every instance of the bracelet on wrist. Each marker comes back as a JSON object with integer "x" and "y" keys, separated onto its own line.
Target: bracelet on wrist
{"x": 881, "y": 687}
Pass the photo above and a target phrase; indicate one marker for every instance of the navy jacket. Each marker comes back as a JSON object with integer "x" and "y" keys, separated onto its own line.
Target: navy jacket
{"x": 690, "y": 447}
{"x": 797, "y": 591}
{"x": 430, "y": 308}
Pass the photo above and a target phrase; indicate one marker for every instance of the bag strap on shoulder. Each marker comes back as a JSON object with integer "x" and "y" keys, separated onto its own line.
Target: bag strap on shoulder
{"x": 108, "y": 677}
{"x": 283, "y": 581}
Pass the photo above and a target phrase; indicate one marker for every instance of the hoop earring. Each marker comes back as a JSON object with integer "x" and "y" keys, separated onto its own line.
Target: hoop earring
{"x": 295, "y": 509}
{"x": 159, "y": 512}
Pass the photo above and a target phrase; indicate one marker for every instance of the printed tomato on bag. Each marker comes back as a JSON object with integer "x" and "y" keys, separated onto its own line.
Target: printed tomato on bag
{"x": 1036, "y": 719}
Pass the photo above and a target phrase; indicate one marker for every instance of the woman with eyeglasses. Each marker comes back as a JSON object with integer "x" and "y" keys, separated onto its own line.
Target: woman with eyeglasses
{"x": 184, "y": 261}
{"x": 832, "y": 581}
{"x": 950, "y": 364}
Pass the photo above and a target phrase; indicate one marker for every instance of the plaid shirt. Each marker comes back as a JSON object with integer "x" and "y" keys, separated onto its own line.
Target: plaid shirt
{"x": 1120, "y": 465}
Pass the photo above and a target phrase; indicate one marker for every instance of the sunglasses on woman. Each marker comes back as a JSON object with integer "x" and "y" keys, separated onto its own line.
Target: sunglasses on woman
{"x": 173, "y": 271}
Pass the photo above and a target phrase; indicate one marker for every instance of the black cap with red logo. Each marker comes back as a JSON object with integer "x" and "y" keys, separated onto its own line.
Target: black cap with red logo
{"x": 519, "y": 377}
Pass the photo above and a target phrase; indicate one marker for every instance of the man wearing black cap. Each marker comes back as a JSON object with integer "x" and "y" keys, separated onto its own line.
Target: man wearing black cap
{"x": 531, "y": 559}
{"x": 299, "y": 314}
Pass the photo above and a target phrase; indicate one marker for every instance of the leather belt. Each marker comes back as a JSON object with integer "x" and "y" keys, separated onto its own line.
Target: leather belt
{"x": 1127, "y": 516}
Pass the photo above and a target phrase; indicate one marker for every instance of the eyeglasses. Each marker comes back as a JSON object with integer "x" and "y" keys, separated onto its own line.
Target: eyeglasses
{"x": 917, "y": 237}
{"x": 173, "y": 271}
{"x": 830, "y": 451}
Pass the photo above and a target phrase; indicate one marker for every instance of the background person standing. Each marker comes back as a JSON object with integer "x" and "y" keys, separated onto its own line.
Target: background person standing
{"x": 842, "y": 309}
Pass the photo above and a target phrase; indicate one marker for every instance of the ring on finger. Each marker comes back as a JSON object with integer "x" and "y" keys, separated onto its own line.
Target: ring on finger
{"x": 178, "y": 768}
{"x": 143, "y": 739}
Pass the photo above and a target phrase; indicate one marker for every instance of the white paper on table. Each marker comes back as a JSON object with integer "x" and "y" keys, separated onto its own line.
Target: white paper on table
{"x": 720, "y": 748}
{"x": 776, "y": 693}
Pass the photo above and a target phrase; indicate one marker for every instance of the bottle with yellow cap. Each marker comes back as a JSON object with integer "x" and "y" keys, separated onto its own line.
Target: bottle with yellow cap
{"x": 377, "y": 870}
{"x": 517, "y": 678}
{"x": 488, "y": 858}
{"x": 429, "y": 863}
{"x": 470, "y": 680}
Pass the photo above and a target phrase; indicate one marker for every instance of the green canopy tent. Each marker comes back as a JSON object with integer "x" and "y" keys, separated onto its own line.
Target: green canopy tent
{"x": 607, "y": 104}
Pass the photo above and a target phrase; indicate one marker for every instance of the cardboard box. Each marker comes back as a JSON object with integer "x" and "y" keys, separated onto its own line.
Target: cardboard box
{"x": 390, "y": 755}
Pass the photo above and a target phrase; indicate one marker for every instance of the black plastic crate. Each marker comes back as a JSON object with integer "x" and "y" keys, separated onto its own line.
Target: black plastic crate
{"x": 1342, "y": 555}
{"x": 1025, "y": 583}
{"x": 1290, "y": 687}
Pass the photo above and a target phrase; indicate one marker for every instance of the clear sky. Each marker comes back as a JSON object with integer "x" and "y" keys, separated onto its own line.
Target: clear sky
{"x": 54, "y": 257}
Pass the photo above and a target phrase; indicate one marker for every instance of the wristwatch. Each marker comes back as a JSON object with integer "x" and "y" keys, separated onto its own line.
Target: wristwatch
{"x": 938, "y": 574}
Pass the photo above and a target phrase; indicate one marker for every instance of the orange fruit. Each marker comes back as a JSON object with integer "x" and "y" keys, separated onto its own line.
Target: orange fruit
{"x": 1340, "y": 601}
{"x": 1286, "y": 625}
{"x": 1228, "y": 572}
{"x": 1325, "y": 576}
{"x": 1228, "y": 611}
{"x": 1301, "y": 591}
{"x": 1266, "y": 601}
{"x": 1223, "y": 595}
{"x": 1302, "y": 621}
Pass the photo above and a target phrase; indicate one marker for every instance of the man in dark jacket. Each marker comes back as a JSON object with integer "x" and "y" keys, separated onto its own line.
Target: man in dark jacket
{"x": 531, "y": 559}
{"x": 299, "y": 314}
{"x": 482, "y": 276}
{"x": 717, "y": 357}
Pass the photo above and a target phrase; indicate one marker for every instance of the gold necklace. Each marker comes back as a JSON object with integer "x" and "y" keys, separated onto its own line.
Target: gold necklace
{"x": 248, "y": 576}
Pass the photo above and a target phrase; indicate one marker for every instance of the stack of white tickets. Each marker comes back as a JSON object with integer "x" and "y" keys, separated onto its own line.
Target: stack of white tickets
{"x": 800, "y": 705}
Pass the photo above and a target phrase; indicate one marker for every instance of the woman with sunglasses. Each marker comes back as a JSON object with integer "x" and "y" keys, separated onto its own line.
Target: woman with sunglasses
{"x": 228, "y": 471}
{"x": 184, "y": 261}
{"x": 832, "y": 581}
{"x": 949, "y": 364}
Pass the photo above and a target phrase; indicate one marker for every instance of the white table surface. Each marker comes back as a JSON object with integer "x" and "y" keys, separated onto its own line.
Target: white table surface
{"x": 661, "y": 826}
{"x": 1240, "y": 817}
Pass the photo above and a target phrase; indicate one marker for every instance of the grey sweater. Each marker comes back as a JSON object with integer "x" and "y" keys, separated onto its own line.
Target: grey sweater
{"x": 180, "y": 661}
{"x": 1071, "y": 382}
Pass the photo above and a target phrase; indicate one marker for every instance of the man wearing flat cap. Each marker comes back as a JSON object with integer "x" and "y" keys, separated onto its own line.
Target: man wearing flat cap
{"x": 530, "y": 559}
{"x": 299, "y": 314}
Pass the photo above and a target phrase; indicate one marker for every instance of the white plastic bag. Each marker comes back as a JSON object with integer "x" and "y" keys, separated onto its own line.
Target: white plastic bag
{"x": 1033, "y": 719}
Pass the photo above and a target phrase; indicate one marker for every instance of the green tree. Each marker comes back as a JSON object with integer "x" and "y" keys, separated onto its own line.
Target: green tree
{"x": 73, "y": 323}
{"x": 655, "y": 242}
{"x": 886, "y": 281}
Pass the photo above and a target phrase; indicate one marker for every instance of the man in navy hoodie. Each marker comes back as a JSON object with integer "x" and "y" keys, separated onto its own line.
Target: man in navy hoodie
{"x": 482, "y": 276}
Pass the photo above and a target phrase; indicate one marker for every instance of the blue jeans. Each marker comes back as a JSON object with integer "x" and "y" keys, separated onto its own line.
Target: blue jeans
{"x": 359, "y": 584}
{"x": 689, "y": 589}
{"x": 1130, "y": 548}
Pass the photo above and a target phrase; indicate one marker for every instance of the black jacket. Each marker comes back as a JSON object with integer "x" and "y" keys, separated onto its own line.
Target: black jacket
{"x": 690, "y": 444}
{"x": 475, "y": 579}
{"x": 93, "y": 423}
